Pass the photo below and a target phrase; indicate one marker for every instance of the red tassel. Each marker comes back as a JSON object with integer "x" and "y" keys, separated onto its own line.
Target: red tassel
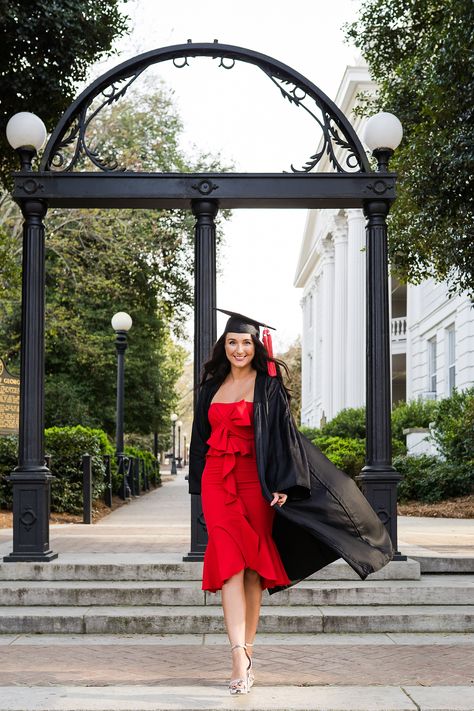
{"x": 267, "y": 342}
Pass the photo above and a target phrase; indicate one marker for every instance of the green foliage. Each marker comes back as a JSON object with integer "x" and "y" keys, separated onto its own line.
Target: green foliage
{"x": 46, "y": 49}
{"x": 420, "y": 54}
{"x": 426, "y": 478}
{"x": 346, "y": 453}
{"x": 454, "y": 427}
{"x": 100, "y": 262}
{"x": 66, "y": 445}
{"x": 309, "y": 432}
{"x": 416, "y": 413}
{"x": 8, "y": 461}
{"x": 349, "y": 422}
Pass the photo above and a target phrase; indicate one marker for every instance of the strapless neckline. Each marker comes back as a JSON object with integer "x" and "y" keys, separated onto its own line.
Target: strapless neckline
{"x": 236, "y": 402}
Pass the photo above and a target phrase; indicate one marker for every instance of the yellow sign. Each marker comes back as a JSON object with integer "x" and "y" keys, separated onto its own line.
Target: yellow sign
{"x": 9, "y": 401}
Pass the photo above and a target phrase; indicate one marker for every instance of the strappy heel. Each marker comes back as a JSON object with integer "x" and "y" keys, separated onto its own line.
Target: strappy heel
{"x": 251, "y": 675}
{"x": 241, "y": 685}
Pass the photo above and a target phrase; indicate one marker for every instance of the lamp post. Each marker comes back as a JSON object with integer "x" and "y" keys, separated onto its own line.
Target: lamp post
{"x": 31, "y": 479}
{"x": 383, "y": 133}
{"x": 179, "y": 425}
{"x": 173, "y": 419}
{"x": 121, "y": 323}
{"x": 185, "y": 453}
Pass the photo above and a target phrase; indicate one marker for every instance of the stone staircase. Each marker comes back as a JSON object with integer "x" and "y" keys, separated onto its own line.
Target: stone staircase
{"x": 162, "y": 595}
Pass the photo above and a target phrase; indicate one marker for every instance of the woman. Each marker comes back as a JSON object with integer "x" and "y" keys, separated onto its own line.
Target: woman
{"x": 276, "y": 509}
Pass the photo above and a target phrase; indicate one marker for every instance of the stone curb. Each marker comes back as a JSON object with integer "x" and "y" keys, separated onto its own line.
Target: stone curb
{"x": 213, "y": 698}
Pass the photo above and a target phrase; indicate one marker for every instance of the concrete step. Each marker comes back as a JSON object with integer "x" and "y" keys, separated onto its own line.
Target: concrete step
{"x": 199, "y": 619}
{"x": 431, "y": 589}
{"x": 168, "y": 567}
{"x": 207, "y": 697}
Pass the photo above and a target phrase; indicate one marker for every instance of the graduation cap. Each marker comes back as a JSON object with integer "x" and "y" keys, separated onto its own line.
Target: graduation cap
{"x": 238, "y": 323}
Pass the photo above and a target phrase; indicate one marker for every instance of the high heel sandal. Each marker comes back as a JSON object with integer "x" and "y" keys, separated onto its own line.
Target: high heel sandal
{"x": 241, "y": 685}
{"x": 251, "y": 675}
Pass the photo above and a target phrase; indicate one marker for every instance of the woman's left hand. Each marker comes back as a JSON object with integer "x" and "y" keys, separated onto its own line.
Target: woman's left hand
{"x": 278, "y": 498}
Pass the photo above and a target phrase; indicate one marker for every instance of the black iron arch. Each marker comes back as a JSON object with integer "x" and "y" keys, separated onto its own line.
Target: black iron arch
{"x": 71, "y": 130}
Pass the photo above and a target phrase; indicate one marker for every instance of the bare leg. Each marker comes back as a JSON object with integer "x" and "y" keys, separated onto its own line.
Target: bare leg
{"x": 253, "y": 599}
{"x": 234, "y": 606}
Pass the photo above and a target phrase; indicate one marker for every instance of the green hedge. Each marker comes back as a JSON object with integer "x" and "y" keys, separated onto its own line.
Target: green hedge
{"x": 427, "y": 478}
{"x": 66, "y": 445}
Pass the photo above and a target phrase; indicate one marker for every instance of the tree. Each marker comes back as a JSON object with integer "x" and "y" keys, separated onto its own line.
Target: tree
{"x": 292, "y": 358}
{"x": 102, "y": 261}
{"x": 46, "y": 48}
{"x": 420, "y": 53}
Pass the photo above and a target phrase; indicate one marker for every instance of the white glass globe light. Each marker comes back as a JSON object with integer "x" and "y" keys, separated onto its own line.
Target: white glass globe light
{"x": 121, "y": 321}
{"x": 26, "y": 130}
{"x": 383, "y": 130}
{"x": 173, "y": 417}
{"x": 179, "y": 423}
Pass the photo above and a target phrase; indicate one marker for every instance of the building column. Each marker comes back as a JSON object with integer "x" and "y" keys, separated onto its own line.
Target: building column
{"x": 355, "y": 343}
{"x": 340, "y": 352}
{"x": 327, "y": 326}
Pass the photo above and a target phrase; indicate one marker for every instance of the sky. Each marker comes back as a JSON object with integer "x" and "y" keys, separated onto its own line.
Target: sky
{"x": 240, "y": 115}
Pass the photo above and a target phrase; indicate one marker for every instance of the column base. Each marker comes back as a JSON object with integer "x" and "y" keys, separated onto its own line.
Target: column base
{"x": 30, "y": 558}
{"x": 194, "y": 557}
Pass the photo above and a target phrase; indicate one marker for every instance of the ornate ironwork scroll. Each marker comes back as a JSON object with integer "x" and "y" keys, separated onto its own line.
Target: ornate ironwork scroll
{"x": 70, "y": 147}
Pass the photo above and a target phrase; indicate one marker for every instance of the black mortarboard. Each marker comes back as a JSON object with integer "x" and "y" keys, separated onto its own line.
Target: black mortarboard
{"x": 238, "y": 323}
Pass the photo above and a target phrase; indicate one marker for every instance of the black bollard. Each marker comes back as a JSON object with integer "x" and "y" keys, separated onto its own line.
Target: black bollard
{"x": 87, "y": 488}
{"x": 108, "y": 481}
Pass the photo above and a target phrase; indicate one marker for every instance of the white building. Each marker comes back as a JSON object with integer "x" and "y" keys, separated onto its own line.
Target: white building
{"x": 432, "y": 335}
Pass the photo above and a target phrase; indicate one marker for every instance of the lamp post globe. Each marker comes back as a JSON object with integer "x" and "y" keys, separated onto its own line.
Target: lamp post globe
{"x": 173, "y": 419}
{"x": 121, "y": 323}
{"x": 26, "y": 133}
{"x": 382, "y": 134}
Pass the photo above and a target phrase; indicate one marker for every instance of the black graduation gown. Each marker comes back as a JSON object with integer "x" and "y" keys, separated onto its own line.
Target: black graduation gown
{"x": 326, "y": 516}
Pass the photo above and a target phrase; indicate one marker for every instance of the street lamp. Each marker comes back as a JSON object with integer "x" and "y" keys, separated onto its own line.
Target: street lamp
{"x": 379, "y": 480}
{"x": 31, "y": 479}
{"x": 185, "y": 460}
{"x": 179, "y": 424}
{"x": 173, "y": 419}
{"x": 121, "y": 323}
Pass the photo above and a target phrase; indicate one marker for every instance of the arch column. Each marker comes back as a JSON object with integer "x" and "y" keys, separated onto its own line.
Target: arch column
{"x": 205, "y": 333}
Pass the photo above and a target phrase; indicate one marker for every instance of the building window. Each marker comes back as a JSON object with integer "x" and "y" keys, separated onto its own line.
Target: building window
{"x": 432, "y": 365}
{"x": 310, "y": 373}
{"x": 451, "y": 358}
{"x": 310, "y": 307}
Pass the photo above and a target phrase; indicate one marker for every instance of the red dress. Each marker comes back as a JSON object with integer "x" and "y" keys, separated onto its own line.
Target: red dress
{"x": 238, "y": 518}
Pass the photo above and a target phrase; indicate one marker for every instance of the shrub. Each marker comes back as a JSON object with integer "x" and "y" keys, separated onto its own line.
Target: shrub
{"x": 346, "y": 453}
{"x": 416, "y": 413}
{"x": 8, "y": 461}
{"x": 454, "y": 426}
{"x": 349, "y": 423}
{"x": 66, "y": 445}
{"x": 427, "y": 478}
{"x": 148, "y": 458}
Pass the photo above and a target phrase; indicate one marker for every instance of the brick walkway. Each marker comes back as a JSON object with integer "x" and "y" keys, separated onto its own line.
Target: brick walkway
{"x": 181, "y": 665}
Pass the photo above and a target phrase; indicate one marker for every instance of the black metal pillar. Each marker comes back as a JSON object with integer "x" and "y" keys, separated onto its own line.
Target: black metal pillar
{"x": 31, "y": 479}
{"x": 205, "y": 330}
{"x": 121, "y": 346}
{"x": 179, "y": 465}
{"x": 378, "y": 477}
{"x": 173, "y": 453}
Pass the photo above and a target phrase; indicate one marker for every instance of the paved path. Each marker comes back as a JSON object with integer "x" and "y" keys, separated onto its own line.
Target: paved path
{"x": 159, "y": 522}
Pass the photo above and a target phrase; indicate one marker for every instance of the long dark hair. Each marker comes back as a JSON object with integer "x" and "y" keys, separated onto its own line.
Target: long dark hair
{"x": 218, "y": 366}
